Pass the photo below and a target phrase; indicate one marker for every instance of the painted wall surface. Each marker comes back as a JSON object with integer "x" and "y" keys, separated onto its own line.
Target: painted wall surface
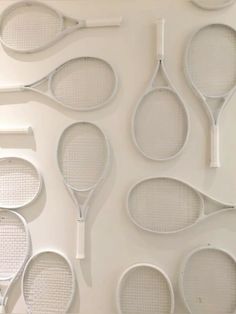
{"x": 113, "y": 241}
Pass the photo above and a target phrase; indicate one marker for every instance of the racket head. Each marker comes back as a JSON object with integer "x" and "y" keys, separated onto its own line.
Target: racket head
{"x": 83, "y": 156}
{"x": 210, "y": 63}
{"x": 53, "y": 270}
{"x": 84, "y": 83}
{"x": 213, "y": 4}
{"x": 153, "y": 137}
{"x": 162, "y": 205}
{"x": 207, "y": 281}
{"x": 144, "y": 289}
{"x": 20, "y": 182}
{"x": 15, "y": 244}
{"x": 24, "y": 26}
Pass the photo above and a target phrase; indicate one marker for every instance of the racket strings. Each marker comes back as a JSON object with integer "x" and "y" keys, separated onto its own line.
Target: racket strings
{"x": 164, "y": 205}
{"x": 209, "y": 282}
{"x": 13, "y": 244}
{"x": 144, "y": 291}
{"x": 156, "y": 138}
{"x": 29, "y": 27}
{"x": 48, "y": 284}
{"x": 84, "y": 83}
{"x": 19, "y": 183}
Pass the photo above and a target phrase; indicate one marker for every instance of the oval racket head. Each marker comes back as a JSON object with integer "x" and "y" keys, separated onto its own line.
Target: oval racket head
{"x": 208, "y": 281}
{"x": 210, "y": 60}
{"x": 83, "y": 156}
{"x": 213, "y": 4}
{"x": 48, "y": 283}
{"x": 84, "y": 83}
{"x": 15, "y": 244}
{"x": 164, "y": 205}
{"x": 29, "y": 26}
{"x": 160, "y": 124}
{"x": 145, "y": 289}
{"x": 20, "y": 182}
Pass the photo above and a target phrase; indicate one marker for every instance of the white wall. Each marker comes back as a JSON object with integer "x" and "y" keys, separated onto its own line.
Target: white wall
{"x": 113, "y": 242}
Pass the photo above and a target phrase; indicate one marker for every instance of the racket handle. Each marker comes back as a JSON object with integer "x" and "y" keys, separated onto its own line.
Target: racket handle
{"x": 215, "y": 149}
{"x": 160, "y": 36}
{"x": 16, "y": 130}
{"x": 116, "y": 21}
{"x": 80, "y": 254}
{"x": 2, "y": 309}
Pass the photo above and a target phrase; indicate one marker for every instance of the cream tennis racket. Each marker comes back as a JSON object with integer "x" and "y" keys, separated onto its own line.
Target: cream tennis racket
{"x": 168, "y": 205}
{"x": 145, "y": 289}
{"x": 213, "y": 4}
{"x": 208, "y": 281}
{"x": 211, "y": 71}
{"x": 84, "y": 83}
{"x": 160, "y": 123}
{"x": 83, "y": 158}
{"x": 30, "y": 26}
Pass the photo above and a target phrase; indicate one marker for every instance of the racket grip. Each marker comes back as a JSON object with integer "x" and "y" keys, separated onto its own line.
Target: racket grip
{"x": 2, "y": 309}
{"x": 215, "y": 149}
{"x": 80, "y": 254}
{"x": 116, "y": 21}
{"x": 16, "y": 130}
{"x": 160, "y": 34}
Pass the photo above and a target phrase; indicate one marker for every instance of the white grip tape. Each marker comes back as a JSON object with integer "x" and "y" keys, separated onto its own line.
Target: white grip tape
{"x": 2, "y": 309}
{"x": 16, "y": 130}
{"x": 116, "y": 21}
{"x": 215, "y": 147}
{"x": 160, "y": 38}
{"x": 80, "y": 254}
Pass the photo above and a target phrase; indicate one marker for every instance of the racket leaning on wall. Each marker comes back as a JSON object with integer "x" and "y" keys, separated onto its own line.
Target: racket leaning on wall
{"x": 48, "y": 283}
{"x": 167, "y": 205}
{"x": 210, "y": 68}
{"x": 145, "y": 289}
{"x": 160, "y": 123}
{"x": 213, "y": 4}
{"x": 84, "y": 83}
{"x": 208, "y": 280}
{"x": 31, "y": 26}
{"x": 83, "y": 157}
{"x": 15, "y": 249}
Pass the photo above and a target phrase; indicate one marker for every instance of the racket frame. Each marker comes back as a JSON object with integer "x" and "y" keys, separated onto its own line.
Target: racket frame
{"x": 212, "y": 7}
{"x": 50, "y": 251}
{"x": 78, "y": 24}
{"x": 14, "y": 278}
{"x": 130, "y": 268}
{"x": 152, "y": 87}
{"x": 202, "y": 196}
{"x": 185, "y": 262}
{"x": 214, "y": 121}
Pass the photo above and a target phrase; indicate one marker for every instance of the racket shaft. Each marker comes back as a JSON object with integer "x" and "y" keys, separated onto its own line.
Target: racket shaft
{"x": 2, "y": 309}
{"x": 116, "y": 21}
{"x": 215, "y": 147}
{"x": 160, "y": 34}
{"x": 80, "y": 254}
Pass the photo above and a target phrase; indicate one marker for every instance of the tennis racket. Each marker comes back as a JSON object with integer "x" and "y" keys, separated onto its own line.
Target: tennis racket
{"x": 83, "y": 158}
{"x": 15, "y": 249}
{"x": 48, "y": 283}
{"x": 208, "y": 281}
{"x": 31, "y": 26}
{"x": 213, "y": 4}
{"x": 168, "y": 205}
{"x": 20, "y": 182}
{"x": 160, "y": 123}
{"x": 211, "y": 71}
{"x": 84, "y": 83}
{"x": 145, "y": 289}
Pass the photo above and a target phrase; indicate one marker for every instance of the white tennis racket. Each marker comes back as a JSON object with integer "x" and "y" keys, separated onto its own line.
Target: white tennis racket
{"x": 211, "y": 71}
{"x": 213, "y": 4}
{"x": 145, "y": 289}
{"x": 208, "y": 281}
{"x": 48, "y": 283}
{"x": 168, "y": 205}
{"x": 160, "y": 123}
{"x": 15, "y": 249}
{"x": 83, "y": 158}
{"x": 20, "y": 182}
{"x": 84, "y": 83}
{"x": 31, "y": 26}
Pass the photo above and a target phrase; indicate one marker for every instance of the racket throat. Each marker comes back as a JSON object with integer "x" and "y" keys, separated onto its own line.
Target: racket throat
{"x": 215, "y": 106}
{"x": 160, "y": 77}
